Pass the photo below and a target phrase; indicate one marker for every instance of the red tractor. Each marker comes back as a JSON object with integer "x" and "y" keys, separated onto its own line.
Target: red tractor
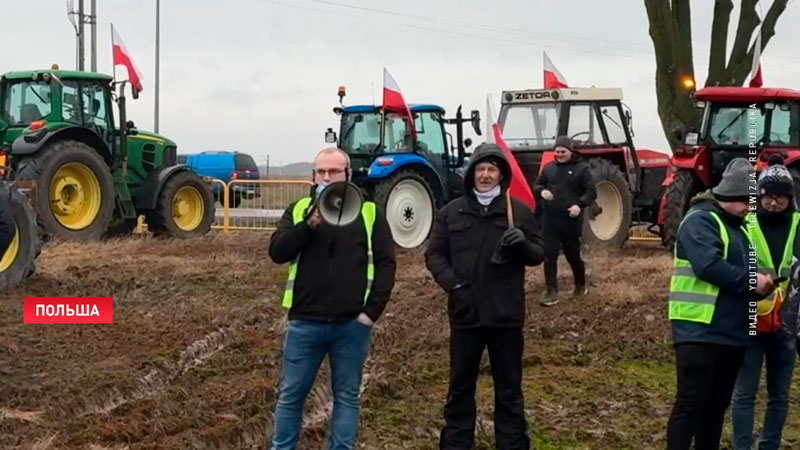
{"x": 629, "y": 182}
{"x": 742, "y": 122}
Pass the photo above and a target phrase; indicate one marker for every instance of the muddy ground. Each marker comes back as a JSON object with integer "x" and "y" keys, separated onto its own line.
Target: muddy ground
{"x": 191, "y": 360}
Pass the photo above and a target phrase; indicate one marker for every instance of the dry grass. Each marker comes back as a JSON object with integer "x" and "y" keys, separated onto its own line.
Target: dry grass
{"x": 192, "y": 358}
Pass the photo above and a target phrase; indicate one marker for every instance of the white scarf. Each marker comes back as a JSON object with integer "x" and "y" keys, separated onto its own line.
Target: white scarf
{"x": 485, "y": 198}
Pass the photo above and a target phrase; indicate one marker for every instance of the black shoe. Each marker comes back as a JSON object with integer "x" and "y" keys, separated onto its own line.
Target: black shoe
{"x": 550, "y": 299}
{"x": 580, "y": 291}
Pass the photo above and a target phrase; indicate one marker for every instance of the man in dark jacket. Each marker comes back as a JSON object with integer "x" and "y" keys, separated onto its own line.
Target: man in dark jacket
{"x": 567, "y": 188}
{"x": 480, "y": 262}
{"x": 711, "y": 295}
{"x": 332, "y": 305}
{"x": 773, "y": 232}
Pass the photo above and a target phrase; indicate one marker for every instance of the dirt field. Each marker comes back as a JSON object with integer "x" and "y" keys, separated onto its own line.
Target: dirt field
{"x": 191, "y": 361}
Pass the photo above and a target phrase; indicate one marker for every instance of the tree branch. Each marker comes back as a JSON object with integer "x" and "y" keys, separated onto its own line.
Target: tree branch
{"x": 740, "y": 54}
{"x": 719, "y": 41}
{"x": 739, "y": 72}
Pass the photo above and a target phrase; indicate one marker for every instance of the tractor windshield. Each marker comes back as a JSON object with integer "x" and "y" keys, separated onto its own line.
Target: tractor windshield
{"x": 531, "y": 126}
{"x": 360, "y": 133}
{"x": 736, "y": 125}
{"x": 25, "y": 102}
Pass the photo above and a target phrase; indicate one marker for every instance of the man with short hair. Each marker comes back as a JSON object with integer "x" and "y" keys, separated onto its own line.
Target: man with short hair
{"x": 709, "y": 302}
{"x": 479, "y": 260}
{"x": 567, "y": 188}
{"x": 340, "y": 279}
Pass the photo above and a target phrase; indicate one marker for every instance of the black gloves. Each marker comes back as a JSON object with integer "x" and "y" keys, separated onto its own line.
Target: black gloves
{"x": 512, "y": 237}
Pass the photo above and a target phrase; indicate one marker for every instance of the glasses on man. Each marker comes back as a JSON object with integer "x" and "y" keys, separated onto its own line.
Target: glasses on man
{"x": 331, "y": 172}
{"x": 775, "y": 198}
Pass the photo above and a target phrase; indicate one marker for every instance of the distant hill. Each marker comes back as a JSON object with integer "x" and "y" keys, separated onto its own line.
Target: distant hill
{"x": 294, "y": 169}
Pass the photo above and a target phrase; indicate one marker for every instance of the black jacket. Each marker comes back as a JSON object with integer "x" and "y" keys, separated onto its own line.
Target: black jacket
{"x": 462, "y": 242}
{"x": 571, "y": 184}
{"x": 7, "y": 226}
{"x": 332, "y": 272}
{"x": 699, "y": 243}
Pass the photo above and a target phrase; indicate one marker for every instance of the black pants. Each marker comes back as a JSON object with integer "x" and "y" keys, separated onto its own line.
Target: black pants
{"x": 563, "y": 232}
{"x": 505, "y": 355}
{"x": 706, "y": 377}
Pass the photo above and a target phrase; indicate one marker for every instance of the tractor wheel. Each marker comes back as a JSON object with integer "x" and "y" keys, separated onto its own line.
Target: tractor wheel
{"x": 185, "y": 207}
{"x": 19, "y": 260}
{"x": 120, "y": 228}
{"x": 684, "y": 186}
{"x": 607, "y": 226}
{"x": 408, "y": 202}
{"x": 74, "y": 190}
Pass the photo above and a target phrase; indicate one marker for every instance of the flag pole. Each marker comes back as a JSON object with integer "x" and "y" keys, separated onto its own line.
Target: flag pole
{"x": 113, "y": 66}
{"x": 509, "y": 209}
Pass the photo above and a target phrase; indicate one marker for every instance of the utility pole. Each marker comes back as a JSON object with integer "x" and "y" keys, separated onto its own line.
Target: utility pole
{"x": 80, "y": 35}
{"x": 268, "y": 167}
{"x": 158, "y": 38}
{"x": 93, "y": 21}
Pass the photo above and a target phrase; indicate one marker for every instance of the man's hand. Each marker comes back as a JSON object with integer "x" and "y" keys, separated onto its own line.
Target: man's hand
{"x": 365, "y": 320}
{"x": 314, "y": 219}
{"x": 574, "y": 210}
{"x": 512, "y": 238}
{"x": 764, "y": 285}
{"x": 547, "y": 195}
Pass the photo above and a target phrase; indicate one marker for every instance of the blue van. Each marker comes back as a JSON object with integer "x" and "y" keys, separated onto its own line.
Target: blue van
{"x": 226, "y": 166}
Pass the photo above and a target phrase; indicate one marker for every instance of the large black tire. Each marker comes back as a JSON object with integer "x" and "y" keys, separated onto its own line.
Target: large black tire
{"x": 608, "y": 220}
{"x": 167, "y": 217}
{"x": 410, "y": 209}
{"x": 684, "y": 186}
{"x": 18, "y": 262}
{"x": 44, "y": 165}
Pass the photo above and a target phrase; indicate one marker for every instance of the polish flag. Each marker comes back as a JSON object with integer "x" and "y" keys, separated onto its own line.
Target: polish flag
{"x": 122, "y": 57}
{"x": 755, "y": 71}
{"x": 552, "y": 77}
{"x": 393, "y": 102}
{"x": 518, "y": 188}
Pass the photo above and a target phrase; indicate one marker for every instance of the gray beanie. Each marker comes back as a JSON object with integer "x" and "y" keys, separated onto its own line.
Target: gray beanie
{"x": 735, "y": 183}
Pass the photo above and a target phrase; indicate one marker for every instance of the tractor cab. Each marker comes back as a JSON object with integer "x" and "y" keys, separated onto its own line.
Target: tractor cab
{"x": 740, "y": 122}
{"x": 628, "y": 181}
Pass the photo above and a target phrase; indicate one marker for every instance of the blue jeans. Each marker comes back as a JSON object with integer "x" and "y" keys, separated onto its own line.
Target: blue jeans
{"x": 305, "y": 346}
{"x": 779, "y": 352}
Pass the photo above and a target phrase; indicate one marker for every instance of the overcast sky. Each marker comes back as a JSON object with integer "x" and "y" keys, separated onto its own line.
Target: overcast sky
{"x": 260, "y": 76}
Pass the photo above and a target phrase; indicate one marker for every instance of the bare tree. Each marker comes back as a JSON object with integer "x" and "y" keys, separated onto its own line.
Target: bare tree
{"x": 671, "y": 32}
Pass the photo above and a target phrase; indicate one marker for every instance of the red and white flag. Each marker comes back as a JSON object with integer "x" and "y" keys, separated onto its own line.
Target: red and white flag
{"x": 393, "y": 101}
{"x": 122, "y": 57}
{"x": 552, "y": 77}
{"x": 755, "y": 71}
{"x": 518, "y": 187}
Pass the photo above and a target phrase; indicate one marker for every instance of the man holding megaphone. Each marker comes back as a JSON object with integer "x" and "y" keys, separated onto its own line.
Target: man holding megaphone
{"x": 341, "y": 276}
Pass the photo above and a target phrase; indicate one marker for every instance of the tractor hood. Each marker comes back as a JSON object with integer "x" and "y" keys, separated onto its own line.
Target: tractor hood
{"x": 481, "y": 153}
{"x": 148, "y": 136}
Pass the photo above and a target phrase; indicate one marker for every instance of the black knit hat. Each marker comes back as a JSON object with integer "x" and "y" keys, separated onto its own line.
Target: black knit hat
{"x": 776, "y": 179}
{"x": 566, "y": 142}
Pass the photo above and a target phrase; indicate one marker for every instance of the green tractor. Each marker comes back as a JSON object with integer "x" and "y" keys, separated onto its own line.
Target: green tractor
{"x": 88, "y": 178}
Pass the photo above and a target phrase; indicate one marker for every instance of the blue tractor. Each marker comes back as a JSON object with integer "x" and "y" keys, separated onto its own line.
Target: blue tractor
{"x": 411, "y": 179}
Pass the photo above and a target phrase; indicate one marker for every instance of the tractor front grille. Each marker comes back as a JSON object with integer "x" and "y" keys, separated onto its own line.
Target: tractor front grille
{"x": 170, "y": 156}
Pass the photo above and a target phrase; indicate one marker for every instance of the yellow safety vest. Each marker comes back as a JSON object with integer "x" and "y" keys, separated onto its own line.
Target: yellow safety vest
{"x": 691, "y": 298}
{"x": 298, "y": 215}
{"x": 764, "y": 260}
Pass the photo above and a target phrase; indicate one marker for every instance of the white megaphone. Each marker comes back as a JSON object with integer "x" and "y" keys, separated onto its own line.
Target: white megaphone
{"x": 339, "y": 203}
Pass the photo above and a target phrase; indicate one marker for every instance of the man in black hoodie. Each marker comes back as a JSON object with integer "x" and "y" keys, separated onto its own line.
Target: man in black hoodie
{"x": 567, "y": 188}
{"x": 480, "y": 262}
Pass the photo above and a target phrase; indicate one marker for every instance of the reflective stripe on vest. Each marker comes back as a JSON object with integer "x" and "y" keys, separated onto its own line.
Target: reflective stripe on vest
{"x": 691, "y": 298}
{"x": 298, "y": 215}
{"x": 764, "y": 259}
